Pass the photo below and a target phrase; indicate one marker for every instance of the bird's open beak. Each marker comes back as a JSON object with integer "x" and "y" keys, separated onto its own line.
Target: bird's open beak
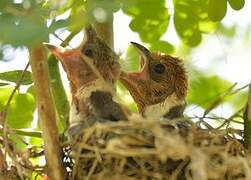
{"x": 57, "y": 51}
{"x": 64, "y": 55}
{"x": 144, "y": 54}
{"x": 134, "y": 81}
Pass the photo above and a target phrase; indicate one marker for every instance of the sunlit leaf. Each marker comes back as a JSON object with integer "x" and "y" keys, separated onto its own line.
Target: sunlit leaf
{"x": 228, "y": 31}
{"x": 217, "y": 9}
{"x": 14, "y": 76}
{"x": 23, "y": 26}
{"x": 1, "y": 54}
{"x": 3, "y": 4}
{"x": 189, "y": 17}
{"x": 150, "y": 24}
{"x": 236, "y": 4}
{"x": 3, "y": 84}
{"x": 238, "y": 100}
{"x": 205, "y": 89}
{"x": 20, "y": 113}
{"x": 58, "y": 24}
{"x": 135, "y": 8}
{"x": 208, "y": 26}
{"x": 77, "y": 20}
{"x": 131, "y": 62}
{"x": 162, "y": 46}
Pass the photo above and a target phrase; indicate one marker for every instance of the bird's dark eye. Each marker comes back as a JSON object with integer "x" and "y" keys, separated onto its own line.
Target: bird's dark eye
{"x": 88, "y": 52}
{"x": 159, "y": 68}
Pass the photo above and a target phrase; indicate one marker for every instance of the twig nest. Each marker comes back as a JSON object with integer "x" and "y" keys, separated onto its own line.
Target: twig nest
{"x": 143, "y": 149}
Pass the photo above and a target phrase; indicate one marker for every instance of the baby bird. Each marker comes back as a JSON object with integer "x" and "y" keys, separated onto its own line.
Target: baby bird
{"x": 91, "y": 95}
{"x": 160, "y": 88}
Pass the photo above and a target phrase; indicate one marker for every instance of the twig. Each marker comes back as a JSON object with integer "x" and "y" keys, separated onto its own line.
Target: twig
{"x": 7, "y": 105}
{"x": 24, "y": 132}
{"x": 218, "y": 100}
{"x": 3, "y": 114}
{"x": 247, "y": 121}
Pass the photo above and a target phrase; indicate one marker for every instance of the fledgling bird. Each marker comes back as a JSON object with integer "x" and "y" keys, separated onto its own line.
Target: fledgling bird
{"x": 92, "y": 98}
{"x": 160, "y": 88}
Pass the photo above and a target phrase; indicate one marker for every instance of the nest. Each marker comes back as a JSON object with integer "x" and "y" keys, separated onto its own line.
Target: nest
{"x": 164, "y": 149}
{"x": 141, "y": 149}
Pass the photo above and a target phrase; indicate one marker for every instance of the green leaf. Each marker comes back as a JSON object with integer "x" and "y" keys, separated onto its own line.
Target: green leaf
{"x": 20, "y": 112}
{"x": 3, "y": 84}
{"x": 3, "y": 4}
{"x": 77, "y": 20}
{"x": 190, "y": 19}
{"x": 208, "y": 26}
{"x": 26, "y": 29}
{"x": 14, "y": 76}
{"x": 228, "y": 31}
{"x": 150, "y": 18}
{"x": 59, "y": 95}
{"x": 151, "y": 28}
{"x": 236, "y": 4}
{"x": 238, "y": 100}
{"x": 205, "y": 89}
{"x": 131, "y": 62}
{"x": 58, "y": 24}
{"x": 162, "y": 46}
{"x": 147, "y": 7}
{"x": 217, "y": 9}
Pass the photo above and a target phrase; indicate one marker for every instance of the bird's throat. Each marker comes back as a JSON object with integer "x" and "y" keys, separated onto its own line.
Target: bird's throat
{"x": 162, "y": 109}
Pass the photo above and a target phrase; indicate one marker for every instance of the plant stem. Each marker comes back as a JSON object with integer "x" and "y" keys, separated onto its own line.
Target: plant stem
{"x": 247, "y": 122}
{"x": 58, "y": 91}
{"x": 46, "y": 113}
{"x": 60, "y": 97}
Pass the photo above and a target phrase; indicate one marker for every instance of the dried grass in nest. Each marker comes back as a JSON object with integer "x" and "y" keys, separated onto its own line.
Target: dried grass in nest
{"x": 141, "y": 149}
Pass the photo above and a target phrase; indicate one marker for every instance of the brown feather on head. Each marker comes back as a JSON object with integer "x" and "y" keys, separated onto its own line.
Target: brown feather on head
{"x": 101, "y": 56}
{"x": 89, "y": 68}
{"x": 160, "y": 76}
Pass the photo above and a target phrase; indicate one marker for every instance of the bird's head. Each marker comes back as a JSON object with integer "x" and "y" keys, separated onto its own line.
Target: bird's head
{"x": 93, "y": 50}
{"x": 160, "y": 76}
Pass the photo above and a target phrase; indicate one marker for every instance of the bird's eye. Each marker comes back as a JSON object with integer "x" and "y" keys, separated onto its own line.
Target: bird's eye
{"x": 159, "y": 68}
{"x": 88, "y": 52}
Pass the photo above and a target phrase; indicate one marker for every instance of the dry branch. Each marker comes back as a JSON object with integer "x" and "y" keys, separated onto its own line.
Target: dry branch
{"x": 46, "y": 113}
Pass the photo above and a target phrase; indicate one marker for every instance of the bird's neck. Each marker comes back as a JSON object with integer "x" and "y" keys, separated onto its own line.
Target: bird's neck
{"x": 171, "y": 107}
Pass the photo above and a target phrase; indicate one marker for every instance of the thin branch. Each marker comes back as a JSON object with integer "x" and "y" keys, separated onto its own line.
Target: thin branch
{"x": 7, "y": 105}
{"x": 247, "y": 121}
{"x": 24, "y": 132}
{"x": 3, "y": 113}
{"x": 218, "y": 100}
